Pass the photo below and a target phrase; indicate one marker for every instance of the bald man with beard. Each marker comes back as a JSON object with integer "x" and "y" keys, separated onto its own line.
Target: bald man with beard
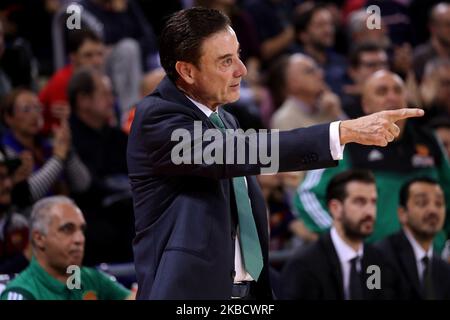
{"x": 414, "y": 153}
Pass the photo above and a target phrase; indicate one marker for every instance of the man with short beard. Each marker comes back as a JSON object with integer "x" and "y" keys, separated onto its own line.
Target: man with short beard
{"x": 334, "y": 267}
{"x": 421, "y": 272}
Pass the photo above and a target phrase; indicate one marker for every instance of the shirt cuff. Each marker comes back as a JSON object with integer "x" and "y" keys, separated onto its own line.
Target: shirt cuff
{"x": 336, "y": 148}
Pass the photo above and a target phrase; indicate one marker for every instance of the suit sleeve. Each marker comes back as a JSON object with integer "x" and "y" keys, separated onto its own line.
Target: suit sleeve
{"x": 298, "y": 283}
{"x": 167, "y": 135}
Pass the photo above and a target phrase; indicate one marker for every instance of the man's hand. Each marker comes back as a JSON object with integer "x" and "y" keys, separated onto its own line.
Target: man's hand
{"x": 376, "y": 129}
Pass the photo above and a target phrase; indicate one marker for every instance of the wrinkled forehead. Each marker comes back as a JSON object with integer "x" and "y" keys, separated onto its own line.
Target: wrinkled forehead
{"x": 384, "y": 80}
{"x": 65, "y": 213}
{"x": 219, "y": 43}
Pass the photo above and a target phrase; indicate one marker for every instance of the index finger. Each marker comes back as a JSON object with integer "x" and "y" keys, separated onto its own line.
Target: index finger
{"x": 395, "y": 115}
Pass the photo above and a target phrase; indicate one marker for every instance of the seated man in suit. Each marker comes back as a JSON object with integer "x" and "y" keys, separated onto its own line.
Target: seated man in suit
{"x": 55, "y": 272}
{"x": 420, "y": 271}
{"x": 336, "y": 266}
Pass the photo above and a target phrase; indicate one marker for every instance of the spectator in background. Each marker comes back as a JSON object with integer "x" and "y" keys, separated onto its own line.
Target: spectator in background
{"x": 131, "y": 44}
{"x": 439, "y": 43}
{"x": 441, "y": 127}
{"x": 57, "y": 237}
{"x": 308, "y": 102}
{"x": 358, "y": 32}
{"x": 273, "y": 22}
{"x": 314, "y": 35}
{"x": 149, "y": 83}
{"x": 85, "y": 50}
{"x": 416, "y": 152}
{"x": 435, "y": 89}
{"x": 56, "y": 167}
{"x": 14, "y": 233}
{"x": 420, "y": 271}
{"x": 365, "y": 58}
{"x": 334, "y": 267}
{"x": 5, "y": 82}
{"x": 107, "y": 203}
{"x": 18, "y": 61}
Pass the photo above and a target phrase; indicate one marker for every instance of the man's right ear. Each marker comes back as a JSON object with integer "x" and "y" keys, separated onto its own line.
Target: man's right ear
{"x": 402, "y": 215}
{"x": 38, "y": 240}
{"x": 186, "y": 71}
{"x": 335, "y": 208}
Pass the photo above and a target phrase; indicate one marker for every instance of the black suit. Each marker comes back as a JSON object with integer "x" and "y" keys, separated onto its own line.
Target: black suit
{"x": 185, "y": 214}
{"x": 400, "y": 256}
{"x": 314, "y": 273}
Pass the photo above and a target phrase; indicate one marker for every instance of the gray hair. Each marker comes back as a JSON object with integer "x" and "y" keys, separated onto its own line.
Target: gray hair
{"x": 357, "y": 21}
{"x": 40, "y": 218}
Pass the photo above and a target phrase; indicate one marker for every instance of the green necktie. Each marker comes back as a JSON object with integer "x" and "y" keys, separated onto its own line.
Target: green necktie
{"x": 248, "y": 235}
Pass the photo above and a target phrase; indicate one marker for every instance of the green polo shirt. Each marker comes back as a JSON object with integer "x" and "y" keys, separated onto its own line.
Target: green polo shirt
{"x": 34, "y": 283}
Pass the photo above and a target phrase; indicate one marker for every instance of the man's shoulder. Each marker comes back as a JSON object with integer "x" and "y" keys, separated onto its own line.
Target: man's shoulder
{"x": 20, "y": 288}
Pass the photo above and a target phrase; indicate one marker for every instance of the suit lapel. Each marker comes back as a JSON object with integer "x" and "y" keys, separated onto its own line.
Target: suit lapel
{"x": 408, "y": 260}
{"x": 335, "y": 265}
{"x": 170, "y": 92}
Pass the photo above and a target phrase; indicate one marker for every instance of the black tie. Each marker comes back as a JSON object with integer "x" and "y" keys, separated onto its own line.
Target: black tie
{"x": 427, "y": 282}
{"x": 355, "y": 281}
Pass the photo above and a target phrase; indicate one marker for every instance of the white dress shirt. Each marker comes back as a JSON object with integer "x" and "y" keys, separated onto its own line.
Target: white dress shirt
{"x": 345, "y": 254}
{"x": 419, "y": 253}
{"x": 337, "y": 151}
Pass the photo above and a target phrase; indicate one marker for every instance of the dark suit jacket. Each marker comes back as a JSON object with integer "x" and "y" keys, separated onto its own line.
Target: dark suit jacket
{"x": 400, "y": 255}
{"x": 314, "y": 273}
{"x": 186, "y": 214}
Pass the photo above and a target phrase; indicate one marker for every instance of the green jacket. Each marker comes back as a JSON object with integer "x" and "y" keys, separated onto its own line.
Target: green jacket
{"x": 34, "y": 283}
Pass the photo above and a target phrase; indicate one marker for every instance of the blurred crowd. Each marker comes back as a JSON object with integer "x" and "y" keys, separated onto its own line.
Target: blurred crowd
{"x": 68, "y": 99}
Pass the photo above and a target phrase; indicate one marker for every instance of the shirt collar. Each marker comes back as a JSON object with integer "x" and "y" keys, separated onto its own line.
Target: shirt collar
{"x": 344, "y": 251}
{"x": 419, "y": 252}
{"x": 46, "y": 279}
{"x": 207, "y": 111}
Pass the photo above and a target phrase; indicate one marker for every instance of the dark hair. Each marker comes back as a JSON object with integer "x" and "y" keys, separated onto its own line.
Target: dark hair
{"x": 303, "y": 18}
{"x": 9, "y": 101}
{"x": 337, "y": 188}
{"x": 357, "y": 50}
{"x": 404, "y": 190}
{"x": 82, "y": 82}
{"x": 183, "y": 36}
{"x": 76, "y": 38}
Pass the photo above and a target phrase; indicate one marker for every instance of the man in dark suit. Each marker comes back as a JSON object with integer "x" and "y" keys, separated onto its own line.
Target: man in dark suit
{"x": 336, "y": 267}
{"x": 421, "y": 273}
{"x": 201, "y": 226}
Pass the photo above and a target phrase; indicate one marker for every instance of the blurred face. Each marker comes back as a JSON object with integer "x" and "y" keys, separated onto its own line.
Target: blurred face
{"x": 383, "y": 91}
{"x": 321, "y": 29}
{"x": 90, "y": 54}
{"x": 424, "y": 214}
{"x": 444, "y": 135}
{"x": 5, "y": 187}
{"x": 304, "y": 77}
{"x": 443, "y": 87}
{"x": 369, "y": 63}
{"x": 26, "y": 119}
{"x": 440, "y": 28}
{"x": 217, "y": 79}
{"x": 102, "y": 100}
{"x": 356, "y": 215}
{"x": 64, "y": 242}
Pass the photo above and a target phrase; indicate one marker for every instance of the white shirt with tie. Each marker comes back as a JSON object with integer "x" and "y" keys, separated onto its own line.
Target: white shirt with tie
{"x": 337, "y": 151}
{"x": 345, "y": 254}
{"x": 419, "y": 253}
